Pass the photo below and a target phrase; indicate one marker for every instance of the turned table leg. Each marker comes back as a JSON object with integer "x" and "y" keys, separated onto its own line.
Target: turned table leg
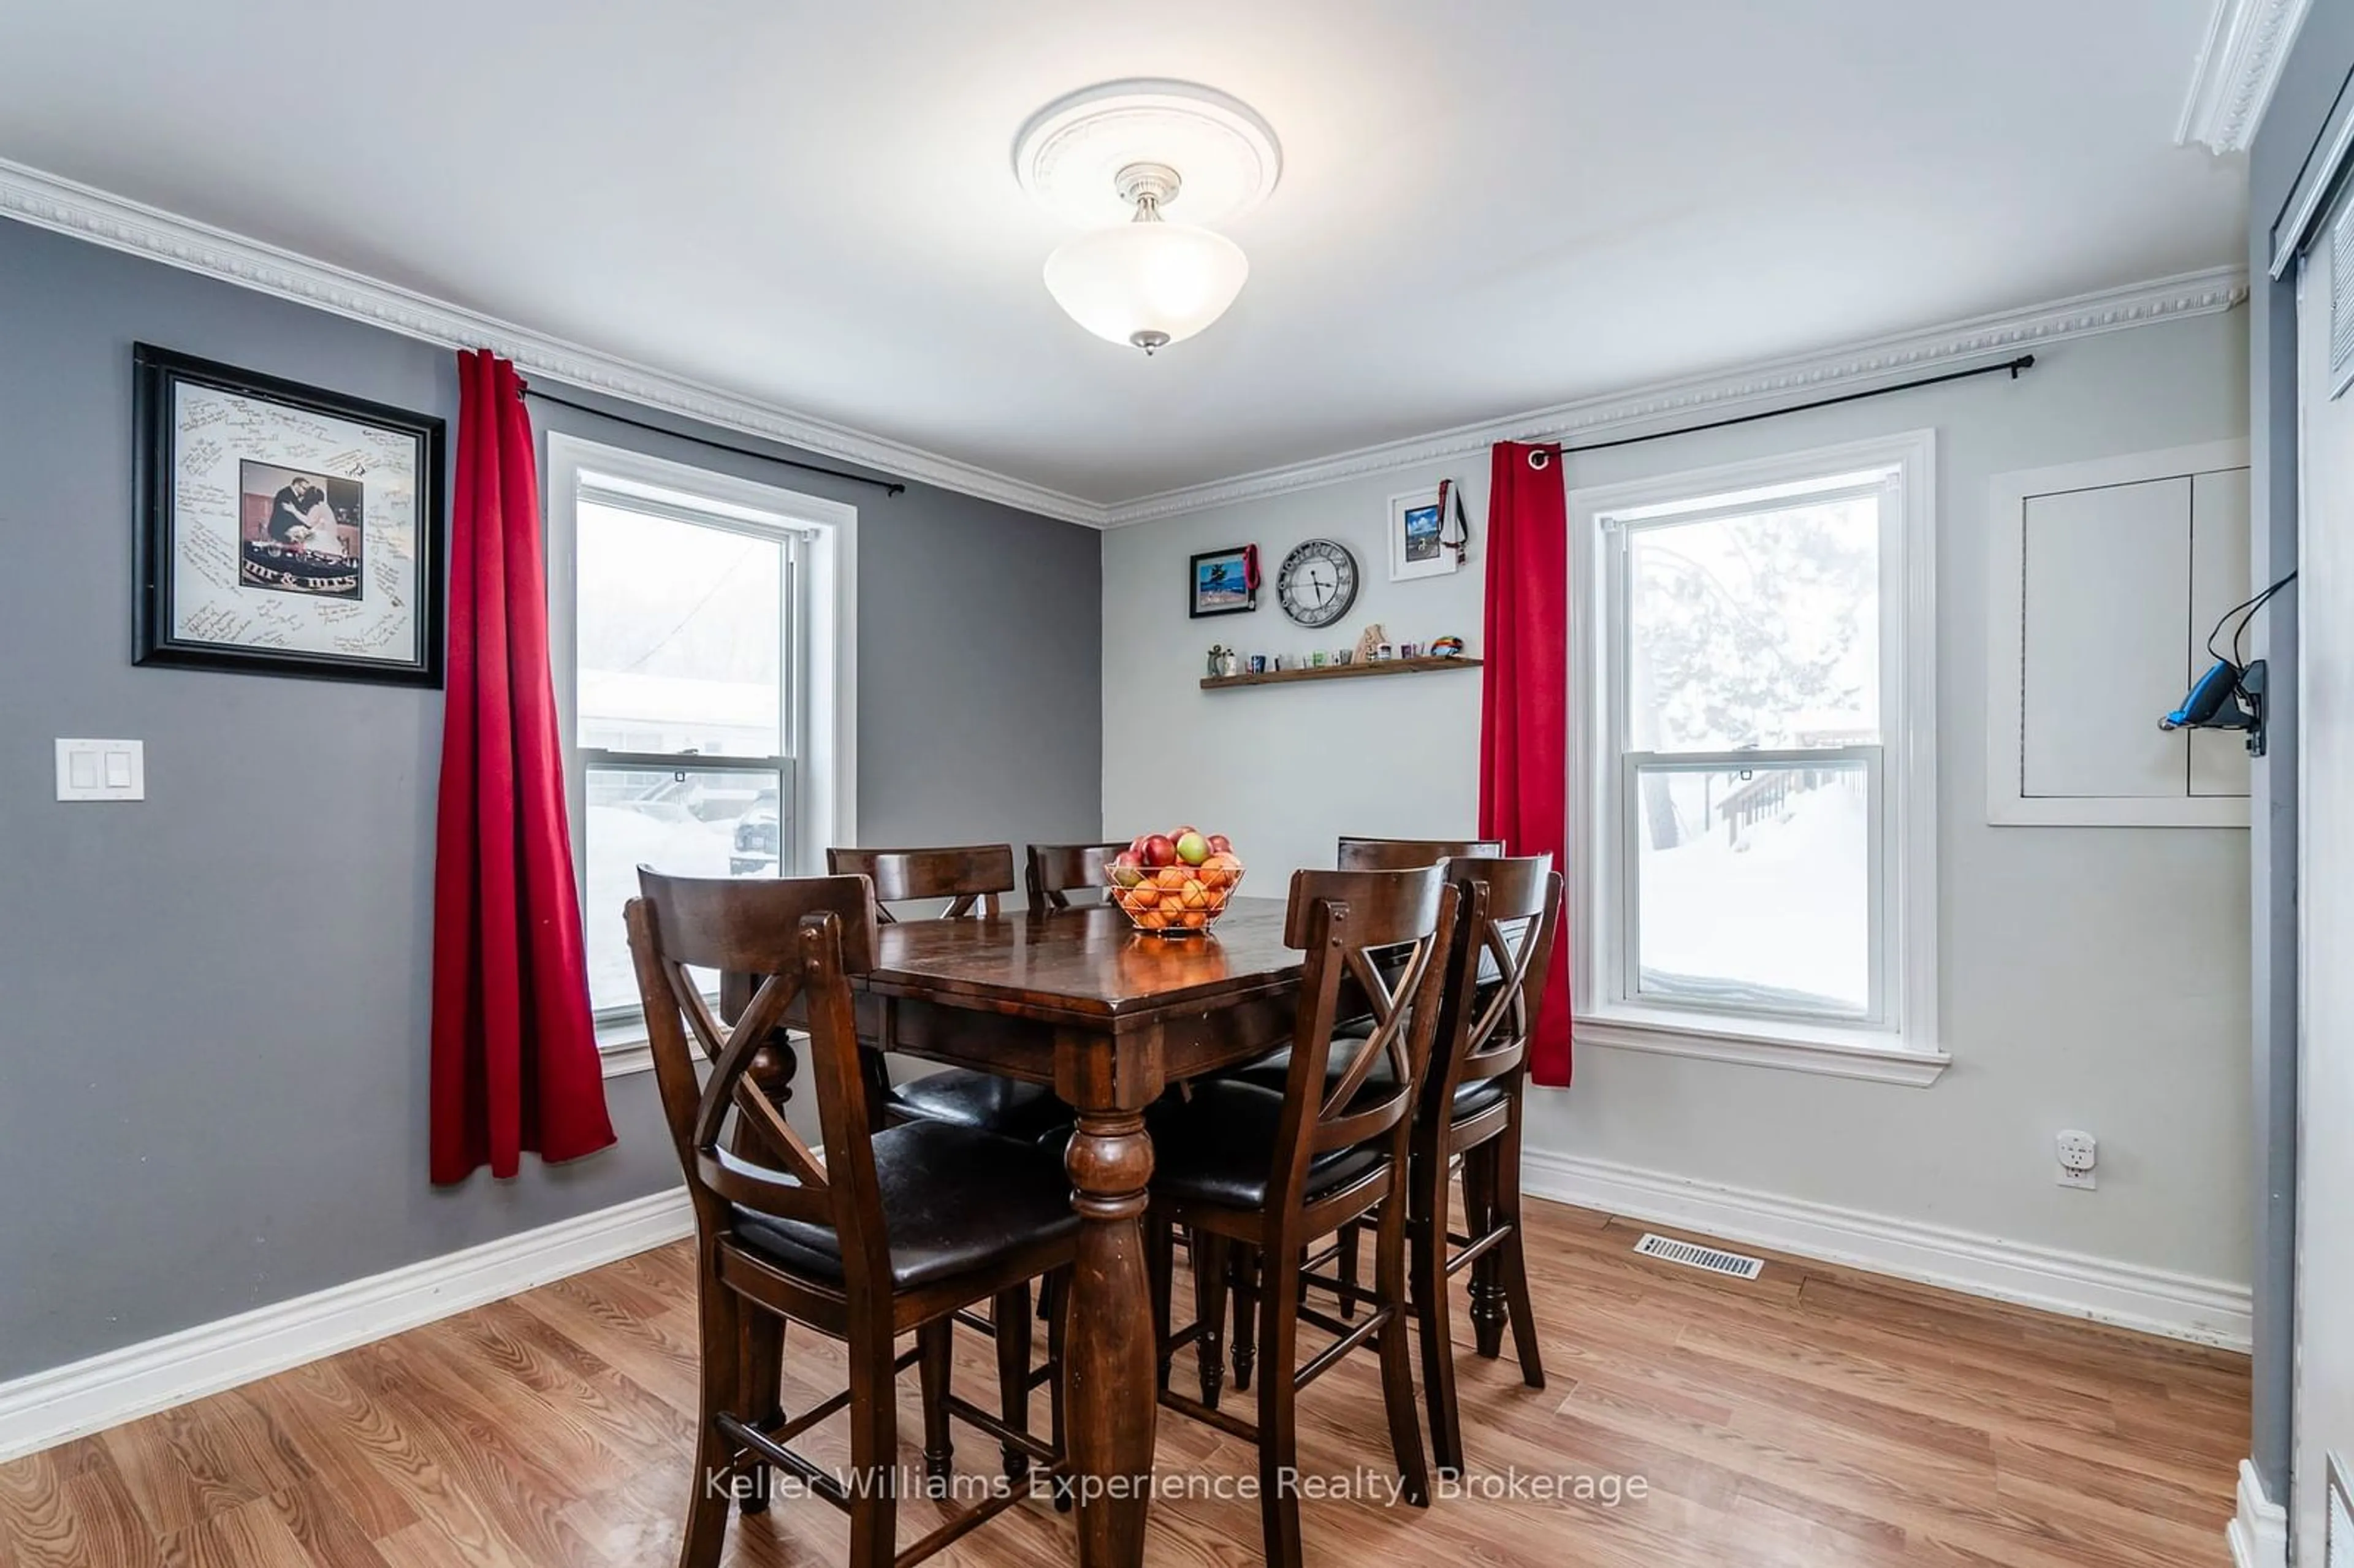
{"x": 1109, "y": 1360}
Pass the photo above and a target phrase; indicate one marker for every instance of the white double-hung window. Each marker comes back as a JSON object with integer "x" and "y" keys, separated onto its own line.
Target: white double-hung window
{"x": 696, "y": 638}
{"x": 1754, "y": 777}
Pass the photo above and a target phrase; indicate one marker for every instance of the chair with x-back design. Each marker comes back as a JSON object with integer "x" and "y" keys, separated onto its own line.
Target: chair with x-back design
{"x": 969, "y": 877}
{"x": 1404, "y": 854}
{"x": 1056, "y": 871}
{"x": 1469, "y": 1109}
{"x": 1242, "y": 1167}
{"x": 893, "y": 1231}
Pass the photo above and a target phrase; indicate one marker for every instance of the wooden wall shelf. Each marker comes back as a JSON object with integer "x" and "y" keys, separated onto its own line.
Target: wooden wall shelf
{"x": 1338, "y": 672}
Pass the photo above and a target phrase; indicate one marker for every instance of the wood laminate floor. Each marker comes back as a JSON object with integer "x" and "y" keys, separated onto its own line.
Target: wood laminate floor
{"x": 1813, "y": 1418}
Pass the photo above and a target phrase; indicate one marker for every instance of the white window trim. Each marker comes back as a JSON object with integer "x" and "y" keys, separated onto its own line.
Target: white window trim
{"x": 1905, "y": 1052}
{"x": 826, "y": 748}
{"x": 2008, "y": 804}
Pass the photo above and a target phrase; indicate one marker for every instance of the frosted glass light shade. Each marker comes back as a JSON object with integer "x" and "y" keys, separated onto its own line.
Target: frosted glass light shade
{"x": 1135, "y": 283}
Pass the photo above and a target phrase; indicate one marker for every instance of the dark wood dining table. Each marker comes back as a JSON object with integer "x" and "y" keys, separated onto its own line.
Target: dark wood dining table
{"x": 1111, "y": 1017}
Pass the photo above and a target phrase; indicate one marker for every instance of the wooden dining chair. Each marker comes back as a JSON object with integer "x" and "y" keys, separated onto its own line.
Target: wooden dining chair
{"x": 1405, "y": 855}
{"x": 892, "y": 1232}
{"x": 970, "y": 877}
{"x": 1346, "y": 1251}
{"x": 1380, "y": 854}
{"x": 1240, "y": 1167}
{"x": 1471, "y": 1108}
{"x": 1056, "y": 871}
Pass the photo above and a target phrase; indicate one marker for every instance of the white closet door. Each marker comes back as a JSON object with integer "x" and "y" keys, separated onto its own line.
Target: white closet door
{"x": 2325, "y": 590}
{"x": 2108, "y": 573}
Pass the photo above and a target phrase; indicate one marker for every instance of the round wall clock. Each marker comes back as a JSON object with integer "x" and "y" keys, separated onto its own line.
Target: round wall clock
{"x": 1318, "y": 582}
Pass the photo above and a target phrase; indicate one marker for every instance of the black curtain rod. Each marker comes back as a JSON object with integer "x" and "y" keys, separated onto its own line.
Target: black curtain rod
{"x": 893, "y": 487}
{"x": 2024, "y": 362}
{"x": 888, "y": 486}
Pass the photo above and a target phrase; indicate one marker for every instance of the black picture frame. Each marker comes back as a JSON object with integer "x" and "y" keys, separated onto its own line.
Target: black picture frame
{"x": 157, "y": 375}
{"x": 1234, "y": 559}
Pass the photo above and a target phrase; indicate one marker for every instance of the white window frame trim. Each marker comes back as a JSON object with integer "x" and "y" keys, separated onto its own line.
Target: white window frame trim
{"x": 825, "y": 717}
{"x": 1905, "y": 1049}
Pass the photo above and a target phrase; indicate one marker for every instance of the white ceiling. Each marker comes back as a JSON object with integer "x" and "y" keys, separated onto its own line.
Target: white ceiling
{"x": 1485, "y": 207}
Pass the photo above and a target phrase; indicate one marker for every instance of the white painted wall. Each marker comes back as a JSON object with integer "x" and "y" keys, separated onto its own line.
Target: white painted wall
{"x": 2090, "y": 978}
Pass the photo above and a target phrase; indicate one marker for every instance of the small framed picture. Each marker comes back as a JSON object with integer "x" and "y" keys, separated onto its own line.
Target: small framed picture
{"x": 1224, "y": 582}
{"x": 285, "y": 530}
{"x": 1416, "y": 548}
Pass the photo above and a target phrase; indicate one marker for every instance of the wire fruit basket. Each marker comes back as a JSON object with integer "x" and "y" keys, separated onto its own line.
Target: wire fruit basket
{"x": 1178, "y": 900}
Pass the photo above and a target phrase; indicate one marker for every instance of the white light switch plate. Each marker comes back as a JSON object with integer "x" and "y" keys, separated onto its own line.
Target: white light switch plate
{"x": 101, "y": 770}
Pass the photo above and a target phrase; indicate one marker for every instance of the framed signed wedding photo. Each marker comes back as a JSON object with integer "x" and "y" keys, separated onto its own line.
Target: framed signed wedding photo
{"x": 284, "y": 530}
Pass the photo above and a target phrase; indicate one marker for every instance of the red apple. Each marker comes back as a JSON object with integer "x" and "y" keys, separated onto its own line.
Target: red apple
{"x": 1159, "y": 850}
{"x": 1127, "y": 868}
{"x": 1193, "y": 848}
{"x": 1221, "y": 844}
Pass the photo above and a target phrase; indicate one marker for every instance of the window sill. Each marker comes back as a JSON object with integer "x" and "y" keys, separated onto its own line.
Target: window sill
{"x": 623, "y": 1044}
{"x": 625, "y": 1049}
{"x": 1794, "y": 1048}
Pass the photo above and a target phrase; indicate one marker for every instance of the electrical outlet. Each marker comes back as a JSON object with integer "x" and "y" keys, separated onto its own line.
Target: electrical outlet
{"x": 2079, "y": 1153}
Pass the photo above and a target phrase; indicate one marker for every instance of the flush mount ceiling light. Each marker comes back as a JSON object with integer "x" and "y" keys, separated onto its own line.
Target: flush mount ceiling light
{"x": 1114, "y": 158}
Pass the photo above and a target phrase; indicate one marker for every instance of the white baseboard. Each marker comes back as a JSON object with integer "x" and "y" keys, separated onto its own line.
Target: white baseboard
{"x": 64, "y": 1402}
{"x": 2258, "y": 1533}
{"x": 2179, "y": 1306}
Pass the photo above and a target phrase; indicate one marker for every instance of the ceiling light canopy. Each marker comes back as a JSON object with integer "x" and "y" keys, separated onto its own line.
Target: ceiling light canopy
{"x": 1115, "y": 152}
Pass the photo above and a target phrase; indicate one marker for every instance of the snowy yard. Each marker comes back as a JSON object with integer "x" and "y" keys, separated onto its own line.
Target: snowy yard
{"x": 1785, "y": 909}
{"x": 620, "y": 839}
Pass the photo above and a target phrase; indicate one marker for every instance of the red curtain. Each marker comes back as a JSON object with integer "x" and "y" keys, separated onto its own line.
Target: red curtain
{"x": 1525, "y": 696}
{"x": 515, "y": 1054}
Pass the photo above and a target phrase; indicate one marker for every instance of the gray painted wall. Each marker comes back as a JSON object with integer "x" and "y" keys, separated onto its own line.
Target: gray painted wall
{"x": 212, "y": 1028}
{"x": 2316, "y": 72}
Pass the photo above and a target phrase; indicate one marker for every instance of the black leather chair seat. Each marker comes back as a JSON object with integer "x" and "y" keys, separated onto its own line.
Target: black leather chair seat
{"x": 963, "y": 1097}
{"x": 1270, "y": 1072}
{"x": 1218, "y": 1147}
{"x": 954, "y": 1200}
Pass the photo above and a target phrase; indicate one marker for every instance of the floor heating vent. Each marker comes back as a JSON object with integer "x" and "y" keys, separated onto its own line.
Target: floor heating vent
{"x": 1707, "y": 1257}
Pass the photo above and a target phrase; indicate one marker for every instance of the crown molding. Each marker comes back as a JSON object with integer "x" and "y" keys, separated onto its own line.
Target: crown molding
{"x": 2247, "y": 43}
{"x": 48, "y": 201}
{"x": 1858, "y": 368}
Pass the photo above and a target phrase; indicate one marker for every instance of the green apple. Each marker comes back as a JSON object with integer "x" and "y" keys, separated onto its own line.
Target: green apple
{"x": 1193, "y": 848}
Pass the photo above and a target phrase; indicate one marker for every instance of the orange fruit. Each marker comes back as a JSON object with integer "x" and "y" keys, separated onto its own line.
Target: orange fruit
{"x": 1195, "y": 919}
{"x": 1143, "y": 895}
{"x": 1174, "y": 877}
{"x": 1192, "y": 896}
